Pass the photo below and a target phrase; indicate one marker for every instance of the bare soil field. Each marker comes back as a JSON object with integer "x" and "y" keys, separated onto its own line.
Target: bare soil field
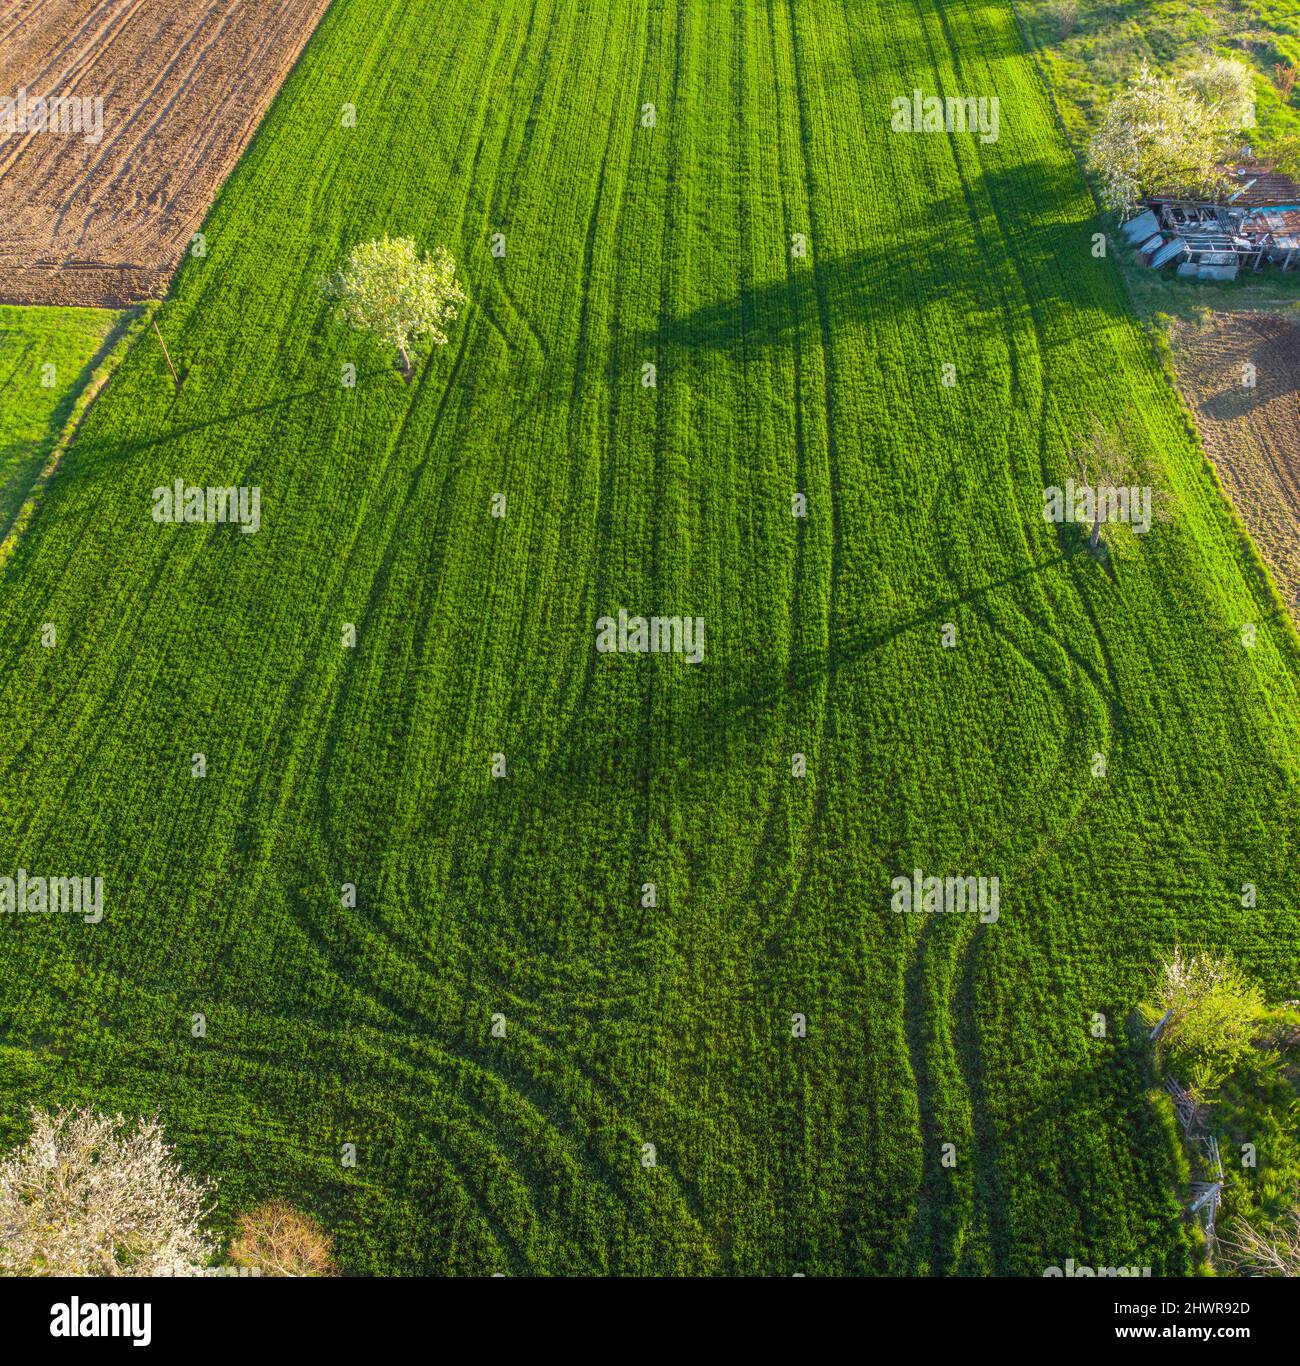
{"x": 104, "y": 220}
{"x": 1251, "y": 433}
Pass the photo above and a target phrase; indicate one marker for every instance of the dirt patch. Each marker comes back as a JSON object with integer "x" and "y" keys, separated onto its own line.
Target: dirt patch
{"x": 1251, "y": 433}
{"x": 183, "y": 87}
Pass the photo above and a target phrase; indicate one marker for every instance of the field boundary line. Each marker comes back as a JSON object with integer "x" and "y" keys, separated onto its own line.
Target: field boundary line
{"x": 100, "y": 369}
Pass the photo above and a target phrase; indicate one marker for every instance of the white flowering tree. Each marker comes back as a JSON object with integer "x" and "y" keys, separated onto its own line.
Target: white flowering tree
{"x": 1226, "y": 87}
{"x": 388, "y": 289}
{"x": 94, "y": 1195}
{"x": 1157, "y": 136}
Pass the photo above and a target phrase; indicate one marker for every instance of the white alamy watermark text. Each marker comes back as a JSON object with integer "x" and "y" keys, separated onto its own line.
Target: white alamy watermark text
{"x": 182, "y": 502}
{"x": 69, "y": 115}
{"x": 1089, "y": 505}
{"x": 28, "y": 895}
{"x": 922, "y": 113}
{"x": 947, "y": 895}
{"x": 626, "y": 634}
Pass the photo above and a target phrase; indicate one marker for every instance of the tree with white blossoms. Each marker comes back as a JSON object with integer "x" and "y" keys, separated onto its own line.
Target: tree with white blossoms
{"x": 388, "y": 289}
{"x": 93, "y": 1195}
{"x": 1226, "y": 87}
{"x": 1158, "y": 136}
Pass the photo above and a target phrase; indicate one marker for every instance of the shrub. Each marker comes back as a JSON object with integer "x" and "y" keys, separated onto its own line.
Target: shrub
{"x": 278, "y": 1240}
{"x": 1213, "y": 1017}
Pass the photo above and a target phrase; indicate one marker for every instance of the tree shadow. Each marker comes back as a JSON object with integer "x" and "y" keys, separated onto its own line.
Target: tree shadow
{"x": 28, "y": 457}
{"x": 625, "y": 753}
{"x": 1232, "y": 403}
{"x": 21, "y": 463}
{"x": 102, "y": 448}
{"x": 925, "y": 265}
{"x": 1074, "y": 538}
{"x": 1054, "y": 257}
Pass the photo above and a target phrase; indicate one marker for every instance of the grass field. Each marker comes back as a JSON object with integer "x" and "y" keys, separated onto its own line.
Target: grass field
{"x": 1089, "y": 50}
{"x": 628, "y": 1024}
{"x": 1091, "y": 47}
{"x": 35, "y": 401}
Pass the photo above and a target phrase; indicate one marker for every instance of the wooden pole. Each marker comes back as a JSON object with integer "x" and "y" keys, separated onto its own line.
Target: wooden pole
{"x": 1164, "y": 1020}
{"x": 166, "y": 355}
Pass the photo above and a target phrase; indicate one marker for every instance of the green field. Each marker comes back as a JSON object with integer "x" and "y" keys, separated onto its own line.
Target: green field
{"x": 521, "y": 896}
{"x": 46, "y": 356}
{"x": 1091, "y": 47}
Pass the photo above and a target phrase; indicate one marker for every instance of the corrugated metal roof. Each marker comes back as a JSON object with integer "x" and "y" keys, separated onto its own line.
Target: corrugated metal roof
{"x": 1273, "y": 220}
{"x": 1141, "y": 227}
{"x": 1168, "y": 252}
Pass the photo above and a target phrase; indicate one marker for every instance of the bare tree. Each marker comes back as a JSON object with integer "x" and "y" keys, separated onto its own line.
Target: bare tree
{"x": 92, "y": 1195}
{"x": 1275, "y": 1252}
{"x": 1065, "y": 13}
{"x": 1101, "y": 464}
{"x": 1107, "y": 470}
{"x": 278, "y": 1240}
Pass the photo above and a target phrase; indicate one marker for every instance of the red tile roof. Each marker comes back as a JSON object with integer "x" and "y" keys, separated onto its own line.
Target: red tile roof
{"x": 1267, "y": 187}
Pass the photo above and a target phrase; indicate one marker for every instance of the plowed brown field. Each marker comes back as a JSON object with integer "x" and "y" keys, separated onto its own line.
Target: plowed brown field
{"x": 183, "y": 89}
{"x": 1251, "y": 433}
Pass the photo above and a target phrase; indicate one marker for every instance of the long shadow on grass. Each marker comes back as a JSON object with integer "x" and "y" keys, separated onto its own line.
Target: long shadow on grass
{"x": 990, "y": 1174}
{"x": 29, "y": 457}
{"x": 123, "y": 450}
{"x": 1053, "y": 256}
{"x": 859, "y": 288}
{"x": 943, "y": 1199}
{"x": 1063, "y": 1155}
{"x": 924, "y": 266}
{"x": 711, "y": 726}
{"x": 705, "y": 736}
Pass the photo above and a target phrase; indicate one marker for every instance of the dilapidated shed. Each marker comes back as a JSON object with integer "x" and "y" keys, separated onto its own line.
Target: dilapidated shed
{"x": 1258, "y": 221}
